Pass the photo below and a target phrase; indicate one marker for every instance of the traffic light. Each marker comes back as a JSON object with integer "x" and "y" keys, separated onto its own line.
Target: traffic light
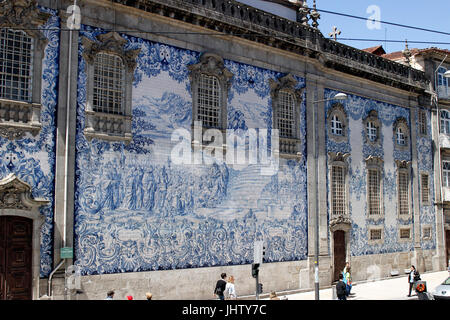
{"x": 255, "y": 269}
{"x": 260, "y": 288}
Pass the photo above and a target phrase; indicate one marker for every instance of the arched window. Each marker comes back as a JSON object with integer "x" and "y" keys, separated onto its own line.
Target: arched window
{"x": 109, "y": 76}
{"x": 375, "y": 206}
{"x": 16, "y": 60}
{"x": 337, "y": 123}
{"x": 401, "y": 134}
{"x": 209, "y": 101}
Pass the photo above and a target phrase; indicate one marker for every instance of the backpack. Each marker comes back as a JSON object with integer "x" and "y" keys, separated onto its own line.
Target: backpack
{"x": 416, "y": 276}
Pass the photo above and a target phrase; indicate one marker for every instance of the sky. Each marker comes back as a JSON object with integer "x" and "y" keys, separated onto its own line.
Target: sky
{"x": 431, "y": 14}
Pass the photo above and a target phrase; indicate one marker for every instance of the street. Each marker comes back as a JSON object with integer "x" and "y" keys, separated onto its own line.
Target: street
{"x": 395, "y": 288}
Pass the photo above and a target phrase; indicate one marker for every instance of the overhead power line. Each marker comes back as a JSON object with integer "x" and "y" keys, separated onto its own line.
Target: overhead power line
{"x": 385, "y": 22}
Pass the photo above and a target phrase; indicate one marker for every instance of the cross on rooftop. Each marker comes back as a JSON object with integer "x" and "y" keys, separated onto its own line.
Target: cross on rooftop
{"x": 335, "y": 33}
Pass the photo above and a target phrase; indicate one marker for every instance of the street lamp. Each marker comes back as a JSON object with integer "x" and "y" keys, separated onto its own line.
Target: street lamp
{"x": 340, "y": 97}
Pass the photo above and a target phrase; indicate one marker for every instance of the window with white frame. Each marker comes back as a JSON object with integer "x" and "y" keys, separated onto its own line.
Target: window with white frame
{"x": 371, "y": 131}
{"x": 443, "y": 83}
{"x": 446, "y": 173}
{"x": 401, "y": 140}
{"x": 16, "y": 60}
{"x": 425, "y": 188}
{"x": 336, "y": 125}
{"x": 286, "y": 114}
{"x": 109, "y": 74}
{"x": 338, "y": 192}
{"x": 445, "y": 121}
{"x": 209, "y": 101}
{"x": 403, "y": 192}
{"x": 422, "y": 115}
{"x": 374, "y": 192}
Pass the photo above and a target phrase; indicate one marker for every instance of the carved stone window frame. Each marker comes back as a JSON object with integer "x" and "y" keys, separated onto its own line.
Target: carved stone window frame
{"x": 106, "y": 126}
{"x": 372, "y": 117}
{"x": 338, "y": 110}
{"x": 24, "y": 116}
{"x": 289, "y": 147}
{"x": 403, "y": 124}
{"x": 338, "y": 159}
{"x": 376, "y": 241}
{"x": 403, "y": 227}
{"x": 424, "y": 227}
{"x": 375, "y": 163}
{"x": 403, "y": 166}
{"x": 211, "y": 65}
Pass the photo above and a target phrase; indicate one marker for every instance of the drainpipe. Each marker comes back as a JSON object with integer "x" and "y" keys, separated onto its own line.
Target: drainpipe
{"x": 50, "y": 280}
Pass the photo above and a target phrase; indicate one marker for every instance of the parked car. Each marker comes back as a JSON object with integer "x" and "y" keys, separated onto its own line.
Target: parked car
{"x": 443, "y": 290}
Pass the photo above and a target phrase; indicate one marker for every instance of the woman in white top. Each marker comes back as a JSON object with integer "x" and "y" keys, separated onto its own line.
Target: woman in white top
{"x": 230, "y": 292}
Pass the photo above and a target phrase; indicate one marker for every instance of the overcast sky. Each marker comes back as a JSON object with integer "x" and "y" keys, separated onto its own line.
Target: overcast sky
{"x": 428, "y": 14}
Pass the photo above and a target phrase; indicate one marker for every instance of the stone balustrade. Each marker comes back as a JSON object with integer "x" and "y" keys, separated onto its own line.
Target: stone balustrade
{"x": 18, "y": 117}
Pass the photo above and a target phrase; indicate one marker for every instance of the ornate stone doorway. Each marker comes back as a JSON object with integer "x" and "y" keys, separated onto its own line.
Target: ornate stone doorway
{"x": 20, "y": 229}
{"x": 15, "y": 258}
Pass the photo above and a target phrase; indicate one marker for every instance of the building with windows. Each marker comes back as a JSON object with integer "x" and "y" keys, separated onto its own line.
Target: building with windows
{"x": 121, "y": 139}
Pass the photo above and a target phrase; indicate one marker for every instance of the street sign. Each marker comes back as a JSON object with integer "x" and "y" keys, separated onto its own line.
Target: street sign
{"x": 66, "y": 253}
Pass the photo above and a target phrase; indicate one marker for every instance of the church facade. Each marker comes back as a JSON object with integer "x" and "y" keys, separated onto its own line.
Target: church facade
{"x": 160, "y": 139}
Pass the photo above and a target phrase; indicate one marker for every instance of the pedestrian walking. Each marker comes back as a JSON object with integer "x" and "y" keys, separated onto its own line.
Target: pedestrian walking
{"x": 110, "y": 295}
{"x": 413, "y": 277}
{"x": 149, "y": 296}
{"x": 230, "y": 292}
{"x": 348, "y": 279}
{"x": 220, "y": 287}
{"x": 341, "y": 288}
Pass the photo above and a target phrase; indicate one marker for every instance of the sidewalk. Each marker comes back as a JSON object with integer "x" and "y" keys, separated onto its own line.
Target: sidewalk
{"x": 395, "y": 288}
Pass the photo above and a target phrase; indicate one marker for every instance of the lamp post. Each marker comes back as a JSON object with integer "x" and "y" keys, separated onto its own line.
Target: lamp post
{"x": 436, "y": 90}
{"x": 340, "y": 97}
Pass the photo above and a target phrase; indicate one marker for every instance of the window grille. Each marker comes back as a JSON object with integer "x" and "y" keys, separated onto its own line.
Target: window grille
{"x": 446, "y": 174}
{"x": 338, "y": 190}
{"x": 209, "y": 101}
{"x": 401, "y": 140}
{"x": 425, "y": 189}
{"x": 109, "y": 77}
{"x": 422, "y": 122}
{"x": 16, "y": 52}
{"x": 374, "y": 192}
{"x": 405, "y": 233}
{"x": 336, "y": 126}
{"x": 403, "y": 194}
{"x": 445, "y": 121}
{"x": 371, "y": 131}
{"x": 375, "y": 234}
{"x": 286, "y": 119}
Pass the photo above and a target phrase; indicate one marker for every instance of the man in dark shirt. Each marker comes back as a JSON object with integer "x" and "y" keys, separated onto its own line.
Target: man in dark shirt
{"x": 220, "y": 287}
{"x": 341, "y": 288}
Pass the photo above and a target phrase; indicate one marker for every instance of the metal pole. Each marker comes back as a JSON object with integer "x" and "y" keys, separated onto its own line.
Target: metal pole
{"x": 257, "y": 287}
{"x": 316, "y": 240}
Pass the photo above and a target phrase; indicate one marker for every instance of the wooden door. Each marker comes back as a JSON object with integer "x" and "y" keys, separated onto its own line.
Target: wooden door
{"x": 339, "y": 253}
{"x": 15, "y": 258}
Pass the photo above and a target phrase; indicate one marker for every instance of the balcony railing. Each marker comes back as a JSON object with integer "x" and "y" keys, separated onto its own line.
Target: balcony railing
{"x": 18, "y": 118}
{"x": 107, "y": 126}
